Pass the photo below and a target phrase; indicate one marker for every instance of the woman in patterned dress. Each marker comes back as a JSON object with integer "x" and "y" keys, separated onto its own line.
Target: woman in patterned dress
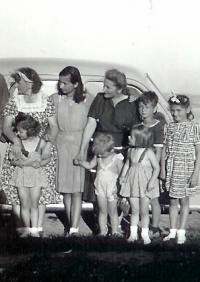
{"x": 71, "y": 109}
{"x": 30, "y": 100}
{"x": 181, "y": 160}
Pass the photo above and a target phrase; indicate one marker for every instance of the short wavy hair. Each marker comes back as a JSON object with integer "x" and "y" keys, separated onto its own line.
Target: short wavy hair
{"x": 118, "y": 78}
{"x": 32, "y": 75}
{"x": 28, "y": 123}
{"x": 103, "y": 142}
{"x": 148, "y": 97}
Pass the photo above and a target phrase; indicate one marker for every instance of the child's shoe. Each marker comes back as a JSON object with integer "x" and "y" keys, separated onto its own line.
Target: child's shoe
{"x": 145, "y": 236}
{"x": 181, "y": 238}
{"x": 133, "y": 234}
{"x": 172, "y": 235}
{"x": 26, "y": 232}
{"x": 117, "y": 235}
{"x": 74, "y": 232}
{"x": 154, "y": 232}
{"x": 34, "y": 232}
{"x": 132, "y": 238}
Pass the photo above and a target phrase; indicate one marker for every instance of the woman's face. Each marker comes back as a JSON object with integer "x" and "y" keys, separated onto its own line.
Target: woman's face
{"x": 110, "y": 89}
{"x": 66, "y": 86}
{"x": 23, "y": 87}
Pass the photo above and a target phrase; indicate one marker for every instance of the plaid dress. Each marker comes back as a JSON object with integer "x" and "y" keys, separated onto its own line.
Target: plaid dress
{"x": 180, "y": 140}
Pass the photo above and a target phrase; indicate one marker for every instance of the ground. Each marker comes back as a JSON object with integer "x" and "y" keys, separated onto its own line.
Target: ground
{"x": 92, "y": 258}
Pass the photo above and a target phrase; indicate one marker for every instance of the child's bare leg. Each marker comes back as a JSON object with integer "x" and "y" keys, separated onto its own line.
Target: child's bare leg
{"x": 184, "y": 212}
{"x": 173, "y": 215}
{"x": 34, "y": 210}
{"x": 134, "y": 203}
{"x": 25, "y": 205}
{"x": 42, "y": 210}
{"x": 103, "y": 213}
{"x": 112, "y": 211}
{"x": 173, "y": 212}
{"x": 156, "y": 212}
{"x": 144, "y": 211}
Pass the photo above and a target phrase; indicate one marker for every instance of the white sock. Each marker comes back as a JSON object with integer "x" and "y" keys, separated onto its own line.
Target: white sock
{"x": 145, "y": 232}
{"x": 172, "y": 232}
{"x": 73, "y": 230}
{"x": 133, "y": 230}
{"x": 34, "y": 230}
{"x": 40, "y": 229}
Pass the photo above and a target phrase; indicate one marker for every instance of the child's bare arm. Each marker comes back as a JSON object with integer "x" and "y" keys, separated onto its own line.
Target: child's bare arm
{"x": 21, "y": 163}
{"x": 156, "y": 169}
{"x": 158, "y": 153}
{"x": 162, "y": 164}
{"x": 125, "y": 168}
{"x": 195, "y": 175}
{"x": 85, "y": 164}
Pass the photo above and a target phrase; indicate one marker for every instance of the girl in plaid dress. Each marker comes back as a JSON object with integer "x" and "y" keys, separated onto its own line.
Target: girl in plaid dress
{"x": 180, "y": 163}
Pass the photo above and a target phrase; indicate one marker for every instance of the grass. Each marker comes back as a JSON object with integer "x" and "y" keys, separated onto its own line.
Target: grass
{"x": 95, "y": 259}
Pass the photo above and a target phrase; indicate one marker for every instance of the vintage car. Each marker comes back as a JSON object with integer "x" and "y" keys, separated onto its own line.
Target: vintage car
{"x": 92, "y": 73}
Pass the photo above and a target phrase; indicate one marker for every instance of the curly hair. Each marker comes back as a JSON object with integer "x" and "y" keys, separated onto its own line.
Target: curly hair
{"x": 31, "y": 75}
{"x": 75, "y": 77}
{"x": 28, "y": 123}
{"x": 103, "y": 142}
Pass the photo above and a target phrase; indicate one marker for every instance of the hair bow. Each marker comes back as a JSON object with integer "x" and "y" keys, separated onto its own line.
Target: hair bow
{"x": 174, "y": 98}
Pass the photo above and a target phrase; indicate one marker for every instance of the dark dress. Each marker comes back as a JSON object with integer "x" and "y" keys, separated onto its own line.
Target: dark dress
{"x": 117, "y": 121}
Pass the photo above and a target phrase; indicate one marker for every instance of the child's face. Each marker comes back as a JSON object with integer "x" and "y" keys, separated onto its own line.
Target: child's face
{"x": 131, "y": 140}
{"x": 106, "y": 154}
{"x": 66, "y": 86}
{"x": 146, "y": 110}
{"x": 179, "y": 113}
{"x": 22, "y": 133}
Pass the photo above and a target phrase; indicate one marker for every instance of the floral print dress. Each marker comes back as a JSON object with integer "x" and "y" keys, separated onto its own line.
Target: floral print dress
{"x": 41, "y": 110}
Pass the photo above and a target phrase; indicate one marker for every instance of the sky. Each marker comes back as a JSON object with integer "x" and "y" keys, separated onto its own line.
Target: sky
{"x": 159, "y": 37}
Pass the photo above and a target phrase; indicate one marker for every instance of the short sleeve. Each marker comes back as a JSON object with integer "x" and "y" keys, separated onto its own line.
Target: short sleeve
{"x": 196, "y": 133}
{"x": 158, "y": 135}
{"x": 50, "y": 110}
{"x": 10, "y": 108}
{"x": 95, "y": 107}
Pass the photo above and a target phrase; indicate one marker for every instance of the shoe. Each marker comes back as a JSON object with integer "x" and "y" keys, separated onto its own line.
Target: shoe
{"x": 146, "y": 240}
{"x": 172, "y": 235}
{"x": 102, "y": 235}
{"x": 74, "y": 232}
{"x": 181, "y": 238}
{"x": 120, "y": 230}
{"x": 117, "y": 234}
{"x": 154, "y": 232}
{"x": 132, "y": 239}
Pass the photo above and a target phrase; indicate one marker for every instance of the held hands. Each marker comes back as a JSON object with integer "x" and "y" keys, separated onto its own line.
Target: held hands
{"x": 76, "y": 161}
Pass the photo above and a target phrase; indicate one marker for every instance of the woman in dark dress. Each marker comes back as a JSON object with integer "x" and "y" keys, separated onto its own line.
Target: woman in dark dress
{"x": 110, "y": 112}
